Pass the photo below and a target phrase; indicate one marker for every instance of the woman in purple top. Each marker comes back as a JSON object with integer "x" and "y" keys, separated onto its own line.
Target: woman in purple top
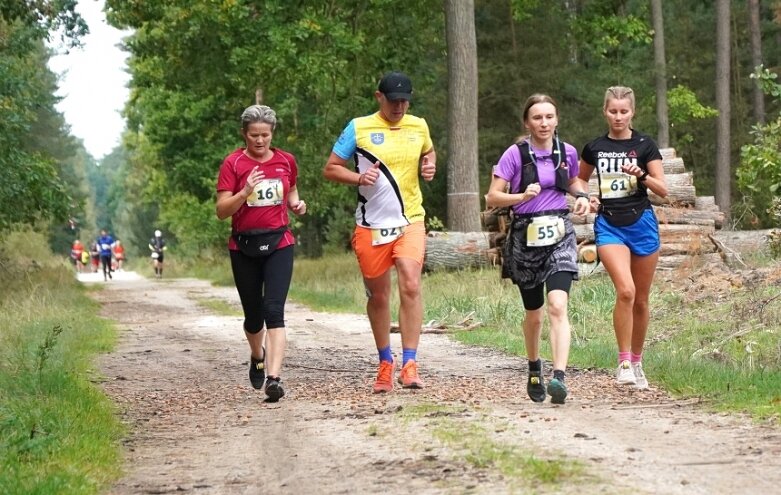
{"x": 533, "y": 177}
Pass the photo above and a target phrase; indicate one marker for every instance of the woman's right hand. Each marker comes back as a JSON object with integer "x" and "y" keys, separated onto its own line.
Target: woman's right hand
{"x": 532, "y": 191}
{"x": 594, "y": 203}
{"x": 253, "y": 179}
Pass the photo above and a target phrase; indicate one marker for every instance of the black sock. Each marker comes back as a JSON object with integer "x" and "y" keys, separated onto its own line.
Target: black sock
{"x": 558, "y": 375}
{"x": 535, "y": 365}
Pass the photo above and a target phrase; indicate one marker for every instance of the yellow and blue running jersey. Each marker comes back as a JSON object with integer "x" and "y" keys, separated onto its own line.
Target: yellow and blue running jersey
{"x": 395, "y": 199}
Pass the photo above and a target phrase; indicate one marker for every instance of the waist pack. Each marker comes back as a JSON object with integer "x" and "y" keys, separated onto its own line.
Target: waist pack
{"x": 259, "y": 243}
{"x": 621, "y": 217}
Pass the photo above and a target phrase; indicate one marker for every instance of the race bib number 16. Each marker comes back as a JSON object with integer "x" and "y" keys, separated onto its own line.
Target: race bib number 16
{"x": 268, "y": 192}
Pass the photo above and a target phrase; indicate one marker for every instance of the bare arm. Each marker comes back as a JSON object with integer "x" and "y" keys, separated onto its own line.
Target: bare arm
{"x": 294, "y": 202}
{"x": 655, "y": 179}
{"x": 584, "y": 174}
{"x": 229, "y": 203}
{"x": 499, "y": 197}
{"x": 335, "y": 170}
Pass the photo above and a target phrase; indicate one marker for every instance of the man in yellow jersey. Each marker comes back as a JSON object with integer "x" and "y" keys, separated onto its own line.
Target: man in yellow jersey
{"x": 388, "y": 150}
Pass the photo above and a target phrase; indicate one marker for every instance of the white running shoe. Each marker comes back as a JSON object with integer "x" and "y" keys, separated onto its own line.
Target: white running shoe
{"x": 641, "y": 382}
{"x": 625, "y": 375}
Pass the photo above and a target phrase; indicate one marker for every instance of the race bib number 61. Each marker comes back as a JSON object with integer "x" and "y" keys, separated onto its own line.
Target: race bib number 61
{"x": 617, "y": 185}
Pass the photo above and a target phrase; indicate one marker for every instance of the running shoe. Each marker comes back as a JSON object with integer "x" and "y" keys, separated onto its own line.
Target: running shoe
{"x": 535, "y": 386}
{"x": 257, "y": 371}
{"x": 625, "y": 375}
{"x": 384, "y": 381}
{"x": 274, "y": 390}
{"x": 641, "y": 382}
{"x": 409, "y": 375}
{"x": 557, "y": 391}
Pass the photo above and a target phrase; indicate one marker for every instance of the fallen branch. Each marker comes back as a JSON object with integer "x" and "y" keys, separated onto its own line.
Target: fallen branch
{"x": 436, "y": 327}
{"x": 681, "y": 403}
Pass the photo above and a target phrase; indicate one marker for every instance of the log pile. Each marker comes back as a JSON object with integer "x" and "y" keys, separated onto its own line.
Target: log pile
{"x": 687, "y": 225}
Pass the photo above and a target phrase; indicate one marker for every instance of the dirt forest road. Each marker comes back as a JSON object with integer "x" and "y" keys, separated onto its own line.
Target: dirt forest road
{"x": 195, "y": 426}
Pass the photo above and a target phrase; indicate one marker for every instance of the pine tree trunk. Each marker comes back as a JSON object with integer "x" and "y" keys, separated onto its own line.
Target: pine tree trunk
{"x": 660, "y": 75}
{"x": 463, "y": 200}
{"x": 723, "y": 135}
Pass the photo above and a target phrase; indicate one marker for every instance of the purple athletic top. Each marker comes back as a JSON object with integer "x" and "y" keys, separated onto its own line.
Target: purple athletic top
{"x": 550, "y": 198}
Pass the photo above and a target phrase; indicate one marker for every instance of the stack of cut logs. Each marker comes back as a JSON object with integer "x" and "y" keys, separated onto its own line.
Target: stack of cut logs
{"x": 687, "y": 224}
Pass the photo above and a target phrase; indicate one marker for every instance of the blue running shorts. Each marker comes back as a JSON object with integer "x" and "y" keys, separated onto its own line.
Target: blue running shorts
{"x": 642, "y": 237}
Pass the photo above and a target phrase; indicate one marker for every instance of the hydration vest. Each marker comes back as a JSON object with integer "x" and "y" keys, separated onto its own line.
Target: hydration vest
{"x": 529, "y": 166}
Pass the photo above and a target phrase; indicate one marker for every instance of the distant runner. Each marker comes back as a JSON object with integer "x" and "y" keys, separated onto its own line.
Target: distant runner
{"x": 157, "y": 245}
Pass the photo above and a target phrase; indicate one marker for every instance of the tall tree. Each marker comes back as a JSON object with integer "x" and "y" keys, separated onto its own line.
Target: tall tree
{"x": 755, "y": 34}
{"x": 723, "y": 158}
{"x": 660, "y": 75}
{"x": 33, "y": 138}
{"x": 463, "y": 201}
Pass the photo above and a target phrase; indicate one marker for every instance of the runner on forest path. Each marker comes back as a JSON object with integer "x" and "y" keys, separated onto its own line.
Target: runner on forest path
{"x": 390, "y": 150}
{"x": 157, "y": 246}
{"x": 626, "y": 230}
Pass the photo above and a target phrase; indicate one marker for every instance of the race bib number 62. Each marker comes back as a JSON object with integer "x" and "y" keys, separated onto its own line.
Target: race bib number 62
{"x": 384, "y": 236}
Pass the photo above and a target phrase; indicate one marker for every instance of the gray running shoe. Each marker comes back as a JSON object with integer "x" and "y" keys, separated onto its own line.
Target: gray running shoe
{"x": 625, "y": 375}
{"x": 641, "y": 382}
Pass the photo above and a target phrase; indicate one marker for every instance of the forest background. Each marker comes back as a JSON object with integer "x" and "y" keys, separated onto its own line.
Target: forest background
{"x": 196, "y": 64}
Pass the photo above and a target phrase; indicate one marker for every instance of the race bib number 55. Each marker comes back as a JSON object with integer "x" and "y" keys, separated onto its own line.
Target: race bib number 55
{"x": 545, "y": 231}
{"x": 384, "y": 236}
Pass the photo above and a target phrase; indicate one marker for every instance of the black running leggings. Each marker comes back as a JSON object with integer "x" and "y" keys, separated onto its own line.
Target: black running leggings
{"x": 263, "y": 284}
{"x": 534, "y": 299}
{"x": 105, "y": 260}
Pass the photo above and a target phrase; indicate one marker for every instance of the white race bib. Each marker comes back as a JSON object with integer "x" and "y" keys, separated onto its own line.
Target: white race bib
{"x": 617, "y": 185}
{"x": 545, "y": 231}
{"x": 268, "y": 192}
{"x": 384, "y": 236}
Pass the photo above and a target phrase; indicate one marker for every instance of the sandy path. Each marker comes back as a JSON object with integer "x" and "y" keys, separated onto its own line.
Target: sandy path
{"x": 179, "y": 377}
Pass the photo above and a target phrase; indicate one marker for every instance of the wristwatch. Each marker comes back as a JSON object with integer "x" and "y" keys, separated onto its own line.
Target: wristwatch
{"x": 643, "y": 177}
{"x": 580, "y": 194}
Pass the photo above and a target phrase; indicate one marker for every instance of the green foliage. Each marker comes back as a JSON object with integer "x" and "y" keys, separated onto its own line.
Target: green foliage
{"x": 197, "y": 65}
{"x": 58, "y": 432}
{"x": 45, "y": 16}
{"x": 30, "y": 188}
{"x": 605, "y": 33}
{"x": 38, "y": 180}
{"x": 193, "y": 222}
{"x": 759, "y": 173}
{"x": 683, "y": 109}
